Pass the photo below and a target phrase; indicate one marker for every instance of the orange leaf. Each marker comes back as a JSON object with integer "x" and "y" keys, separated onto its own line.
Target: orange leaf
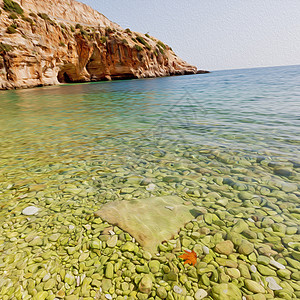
{"x": 189, "y": 257}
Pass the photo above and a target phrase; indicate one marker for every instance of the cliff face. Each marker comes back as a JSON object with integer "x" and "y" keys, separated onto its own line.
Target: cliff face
{"x": 54, "y": 41}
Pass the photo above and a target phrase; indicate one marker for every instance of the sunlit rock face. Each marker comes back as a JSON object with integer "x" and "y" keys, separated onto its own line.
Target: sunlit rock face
{"x": 66, "y": 41}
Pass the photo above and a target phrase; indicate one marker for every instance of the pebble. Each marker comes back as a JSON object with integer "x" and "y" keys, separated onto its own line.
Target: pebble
{"x": 151, "y": 187}
{"x": 169, "y": 207}
{"x": 254, "y": 286}
{"x": 205, "y": 250}
{"x": 200, "y": 294}
{"x": 112, "y": 242}
{"x": 224, "y": 247}
{"x": 145, "y": 284}
{"x": 30, "y": 210}
{"x": 277, "y": 264}
{"x": 253, "y": 269}
{"x": 108, "y": 296}
{"x": 177, "y": 289}
{"x": 246, "y": 247}
{"x": 273, "y": 285}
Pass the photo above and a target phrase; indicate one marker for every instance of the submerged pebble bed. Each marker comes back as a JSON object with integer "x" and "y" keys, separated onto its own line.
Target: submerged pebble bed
{"x": 246, "y": 235}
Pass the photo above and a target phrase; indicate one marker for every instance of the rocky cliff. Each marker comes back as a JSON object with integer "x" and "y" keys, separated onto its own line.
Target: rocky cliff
{"x": 54, "y": 41}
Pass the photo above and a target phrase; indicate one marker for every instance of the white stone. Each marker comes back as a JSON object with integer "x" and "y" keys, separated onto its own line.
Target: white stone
{"x": 169, "y": 207}
{"x": 30, "y": 210}
{"x": 47, "y": 277}
{"x": 200, "y": 294}
{"x": 253, "y": 269}
{"x": 205, "y": 249}
{"x": 151, "y": 187}
{"x": 111, "y": 232}
{"x": 273, "y": 285}
{"x": 277, "y": 264}
{"x": 177, "y": 289}
{"x": 71, "y": 227}
{"x": 108, "y": 296}
{"x": 244, "y": 298}
{"x": 251, "y": 220}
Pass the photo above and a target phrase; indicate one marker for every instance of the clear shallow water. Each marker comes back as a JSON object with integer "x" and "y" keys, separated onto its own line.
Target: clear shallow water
{"x": 69, "y": 149}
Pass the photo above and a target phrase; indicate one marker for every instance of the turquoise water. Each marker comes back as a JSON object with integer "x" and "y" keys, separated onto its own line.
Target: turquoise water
{"x": 207, "y": 138}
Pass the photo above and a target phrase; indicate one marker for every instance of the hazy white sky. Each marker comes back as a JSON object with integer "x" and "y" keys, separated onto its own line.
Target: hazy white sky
{"x": 216, "y": 34}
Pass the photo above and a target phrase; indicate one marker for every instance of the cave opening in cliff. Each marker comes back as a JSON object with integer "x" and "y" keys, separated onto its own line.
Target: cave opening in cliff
{"x": 63, "y": 77}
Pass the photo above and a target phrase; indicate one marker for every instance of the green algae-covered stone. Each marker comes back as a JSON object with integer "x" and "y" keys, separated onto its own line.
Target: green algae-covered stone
{"x": 154, "y": 266}
{"x": 240, "y": 226}
{"x": 69, "y": 278}
{"x": 263, "y": 260}
{"x": 254, "y": 286}
{"x": 109, "y": 271}
{"x": 50, "y": 284}
{"x": 224, "y": 247}
{"x": 161, "y": 292}
{"x": 145, "y": 284}
{"x": 246, "y": 247}
{"x": 226, "y": 291}
{"x": 128, "y": 246}
{"x": 266, "y": 271}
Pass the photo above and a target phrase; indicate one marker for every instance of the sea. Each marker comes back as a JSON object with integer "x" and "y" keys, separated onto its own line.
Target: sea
{"x": 227, "y": 141}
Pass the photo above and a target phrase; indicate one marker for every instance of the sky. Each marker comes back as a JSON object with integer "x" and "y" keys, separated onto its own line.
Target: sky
{"x": 215, "y": 34}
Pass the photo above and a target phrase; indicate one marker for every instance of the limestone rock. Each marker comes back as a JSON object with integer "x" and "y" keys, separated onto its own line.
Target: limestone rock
{"x": 147, "y": 220}
{"x": 68, "y": 41}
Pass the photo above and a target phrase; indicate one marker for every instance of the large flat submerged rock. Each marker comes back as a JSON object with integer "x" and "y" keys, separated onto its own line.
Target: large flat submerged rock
{"x": 150, "y": 221}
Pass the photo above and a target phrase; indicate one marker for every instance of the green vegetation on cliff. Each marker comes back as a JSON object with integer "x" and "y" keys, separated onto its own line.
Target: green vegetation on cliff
{"x": 12, "y": 6}
{"x": 5, "y": 48}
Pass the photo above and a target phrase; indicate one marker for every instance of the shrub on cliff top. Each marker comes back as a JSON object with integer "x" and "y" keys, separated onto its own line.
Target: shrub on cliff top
{"x": 78, "y": 26}
{"x": 63, "y": 26}
{"x": 12, "y": 6}
{"x": 161, "y": 44}
{"x": 11, "y": 29}
{"x": 103, "y": 39}
{"x": 5, "y": 48}
{"x": 46, "y": 18}
{"x": 13, "y": 16}
{"x": 138, "y": 47}
{"x": 33, "y": 15}
{"x": 27, "y": 19}
{"x": 43, "y": 16}
{"x": 142, "y": 41}
{"x": 83, "y": 32}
